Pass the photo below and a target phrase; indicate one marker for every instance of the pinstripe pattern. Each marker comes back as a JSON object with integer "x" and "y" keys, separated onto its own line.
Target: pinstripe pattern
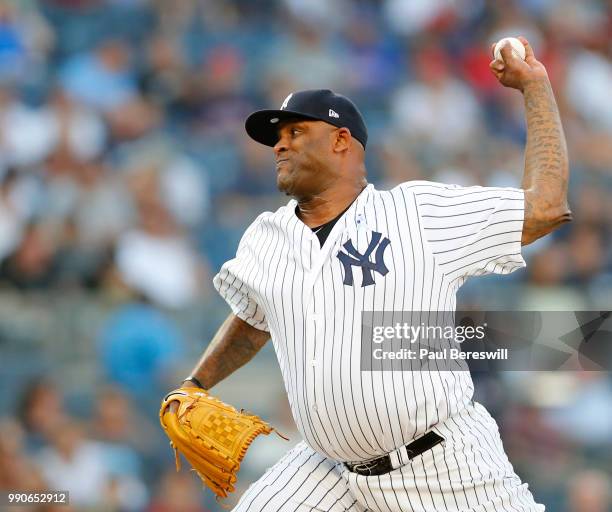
{"x": 302, "y": 480}
{"x": 468, "y": 472}
{"x": 284, "y": 282}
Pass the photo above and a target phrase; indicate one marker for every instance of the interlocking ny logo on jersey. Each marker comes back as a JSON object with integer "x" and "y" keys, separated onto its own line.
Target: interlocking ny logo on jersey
{"x": 353, "y": 258}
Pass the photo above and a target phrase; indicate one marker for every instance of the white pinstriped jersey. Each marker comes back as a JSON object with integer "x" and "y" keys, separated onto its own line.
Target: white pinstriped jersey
{"x": 284, "y": 282}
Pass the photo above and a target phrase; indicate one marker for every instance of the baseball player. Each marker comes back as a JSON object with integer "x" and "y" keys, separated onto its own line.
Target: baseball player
{"x": 378, "y": 440}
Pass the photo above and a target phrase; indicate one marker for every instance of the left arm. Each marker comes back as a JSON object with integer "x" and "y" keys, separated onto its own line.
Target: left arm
{"x": 546, "y": 173}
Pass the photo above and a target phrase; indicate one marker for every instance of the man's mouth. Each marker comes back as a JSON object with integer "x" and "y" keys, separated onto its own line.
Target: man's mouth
{"x": 281, "y": 161}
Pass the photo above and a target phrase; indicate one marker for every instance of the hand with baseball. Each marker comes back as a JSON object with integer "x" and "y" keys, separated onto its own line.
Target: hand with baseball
{"x": 514, "y": 72}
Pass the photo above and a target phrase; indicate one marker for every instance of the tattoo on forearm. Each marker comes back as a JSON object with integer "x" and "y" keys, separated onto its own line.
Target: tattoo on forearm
{"x": 546, "y": 163}
{"x": 234, "y": 345}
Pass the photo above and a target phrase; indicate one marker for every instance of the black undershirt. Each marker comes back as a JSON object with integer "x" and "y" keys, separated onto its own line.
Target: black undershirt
{"x": 324, "y": 230}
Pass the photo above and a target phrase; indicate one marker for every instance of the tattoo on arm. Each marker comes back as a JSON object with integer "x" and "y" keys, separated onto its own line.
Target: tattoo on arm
{"x": 546, "y": 173}
{"x": 235, "y": 344}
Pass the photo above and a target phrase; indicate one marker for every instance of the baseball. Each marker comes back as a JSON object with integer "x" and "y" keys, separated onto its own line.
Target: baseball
{"x": 517, "y": 48}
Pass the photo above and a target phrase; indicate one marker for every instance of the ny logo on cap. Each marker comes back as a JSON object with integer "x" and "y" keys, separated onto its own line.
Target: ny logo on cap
{"x": 286, "y": 102}
{"x": 353, "y": 258}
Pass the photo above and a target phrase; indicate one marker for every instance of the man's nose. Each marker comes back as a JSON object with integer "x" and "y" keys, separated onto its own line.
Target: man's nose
{"x": 280, "y": 146}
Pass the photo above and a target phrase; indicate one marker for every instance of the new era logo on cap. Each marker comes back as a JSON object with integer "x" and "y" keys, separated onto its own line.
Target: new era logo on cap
{"x": 286, "y": 102}
{"x": 316, "y": 105}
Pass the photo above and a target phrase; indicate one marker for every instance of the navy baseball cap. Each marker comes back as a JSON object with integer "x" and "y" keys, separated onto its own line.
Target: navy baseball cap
{"x": 313, "y": 104}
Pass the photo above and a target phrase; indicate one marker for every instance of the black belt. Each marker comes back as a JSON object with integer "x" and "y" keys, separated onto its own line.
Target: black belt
{"x": 383, "y": 465}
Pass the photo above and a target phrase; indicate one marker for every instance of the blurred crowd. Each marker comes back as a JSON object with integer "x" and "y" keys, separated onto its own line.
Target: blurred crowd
{"x": 102, "y": 462}
{"x": 114, "y": 458}
{"x": 126, "y": 177}
{"x": 124, "y": 160}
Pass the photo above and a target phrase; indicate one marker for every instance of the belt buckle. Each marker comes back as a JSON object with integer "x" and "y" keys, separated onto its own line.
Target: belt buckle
{"x": 363, "y": 467}
{"x": 371, "y": 467}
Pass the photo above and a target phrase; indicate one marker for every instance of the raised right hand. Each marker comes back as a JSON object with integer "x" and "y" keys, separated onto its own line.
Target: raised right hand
{"x": 514, "y": 72}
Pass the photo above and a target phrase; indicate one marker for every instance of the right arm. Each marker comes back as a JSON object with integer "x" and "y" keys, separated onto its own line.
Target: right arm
{"x": 235, "y": 344}
{"x": 546, "y": 174}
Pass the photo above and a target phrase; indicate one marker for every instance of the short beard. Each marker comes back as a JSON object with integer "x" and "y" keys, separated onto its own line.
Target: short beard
{"x": 285, "y": 186}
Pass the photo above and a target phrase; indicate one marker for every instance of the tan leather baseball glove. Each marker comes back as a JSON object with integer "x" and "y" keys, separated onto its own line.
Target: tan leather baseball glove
{"x": 212, "y": 435}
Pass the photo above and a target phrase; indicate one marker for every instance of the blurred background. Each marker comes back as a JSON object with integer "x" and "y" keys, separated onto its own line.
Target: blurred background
{"x": 126, "y": 180}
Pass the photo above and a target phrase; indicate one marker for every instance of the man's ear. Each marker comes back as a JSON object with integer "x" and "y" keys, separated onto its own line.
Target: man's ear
{"x": 342, "y": 139}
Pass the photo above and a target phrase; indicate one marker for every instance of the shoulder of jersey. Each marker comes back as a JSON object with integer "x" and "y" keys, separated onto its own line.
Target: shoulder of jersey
{"x": 262, "y": 217}
{"x": 415, "y": 185}
{"x": 257, "y": 222}
{"x": 418, "y": 186}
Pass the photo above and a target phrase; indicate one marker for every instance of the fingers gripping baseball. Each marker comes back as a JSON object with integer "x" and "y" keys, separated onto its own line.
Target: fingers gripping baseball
{"x": 512, "y": 71}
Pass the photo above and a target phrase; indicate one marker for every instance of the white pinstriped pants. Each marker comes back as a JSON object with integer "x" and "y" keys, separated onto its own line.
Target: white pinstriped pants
{"x": 468, "y": 472}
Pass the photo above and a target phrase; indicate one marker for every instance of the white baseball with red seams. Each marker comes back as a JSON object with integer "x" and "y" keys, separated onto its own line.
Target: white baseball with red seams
{"x": 518, "y": 49}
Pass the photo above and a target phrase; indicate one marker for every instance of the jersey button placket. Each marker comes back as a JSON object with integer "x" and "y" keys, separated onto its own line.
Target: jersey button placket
{"x": 315, "y": 320}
